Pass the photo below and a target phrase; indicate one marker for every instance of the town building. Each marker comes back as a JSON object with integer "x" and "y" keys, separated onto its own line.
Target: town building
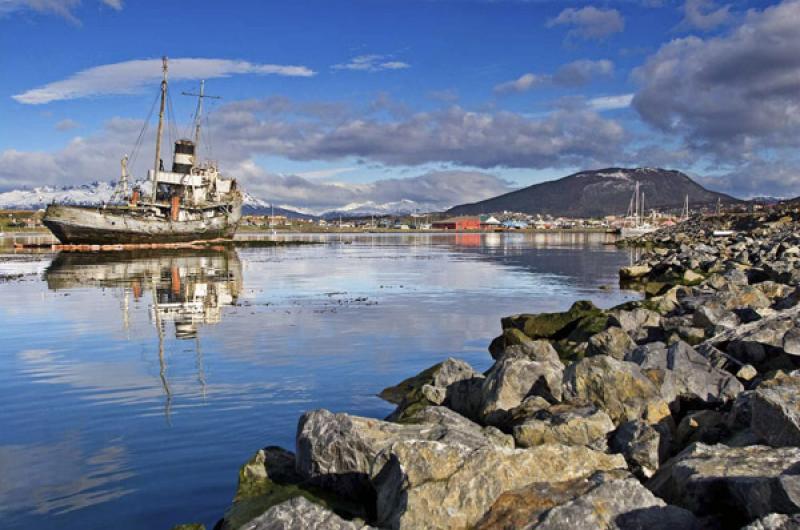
{"x": 458, "y": 223}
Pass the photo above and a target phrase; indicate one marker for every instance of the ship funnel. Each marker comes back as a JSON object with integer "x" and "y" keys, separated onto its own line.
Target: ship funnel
{"x": 183, "y": 159}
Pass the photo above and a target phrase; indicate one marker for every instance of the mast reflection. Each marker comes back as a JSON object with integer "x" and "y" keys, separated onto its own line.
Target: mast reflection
{"x": 188, "y": 288}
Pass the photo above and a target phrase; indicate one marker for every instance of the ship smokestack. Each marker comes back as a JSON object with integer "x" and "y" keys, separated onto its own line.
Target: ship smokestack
{"x": 183, "y": 159}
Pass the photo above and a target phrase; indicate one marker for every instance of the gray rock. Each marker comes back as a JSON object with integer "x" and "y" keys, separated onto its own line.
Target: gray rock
{"x": 644, "y": 446}
{"x": 565, "y": 424}
{"x": 775, "y": 521}
{"x": 619, "y": 505}
{"x": 637, "y": 322}
{"x": 754, "y": 341}
{"x": 533, "y": 350}
{"x": 775, "y": 405}
{"x": 336, "y": 451}
{"x": 268, "y": 479}
{"x": 634, "y": 272}
{"x": 706, "y": 426}
{"x": 460, "y": 429}
{"x": 696, "y": 377}
{"x": 432, "y": 386}
{"x": 464, "y": 397}
{"x": 512, "y": 379}
{"x": 614, "y": 342}
{"x": 434, "y": 485}
{"x": 620, "y": 388}
{"x": 747, "y": 372}
{"x": 300, "y": 514}
{"x": 733, "y": 484}
{"x": 714, "y": 315}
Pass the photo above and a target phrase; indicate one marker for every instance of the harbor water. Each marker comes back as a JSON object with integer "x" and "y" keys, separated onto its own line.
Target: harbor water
{"x": 134, "y": 384}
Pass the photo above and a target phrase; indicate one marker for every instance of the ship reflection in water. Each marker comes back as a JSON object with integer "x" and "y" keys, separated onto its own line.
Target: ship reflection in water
{"x": 187, "y": 288}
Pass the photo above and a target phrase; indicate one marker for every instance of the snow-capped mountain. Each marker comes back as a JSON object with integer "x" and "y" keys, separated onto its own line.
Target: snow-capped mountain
{"x": 100, "y": 192}
{"x": 363, "y": 209}
{"x": 33, "y": 199}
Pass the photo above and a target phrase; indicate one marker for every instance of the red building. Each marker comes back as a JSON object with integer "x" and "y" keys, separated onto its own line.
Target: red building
{"x": 458, "y": 223}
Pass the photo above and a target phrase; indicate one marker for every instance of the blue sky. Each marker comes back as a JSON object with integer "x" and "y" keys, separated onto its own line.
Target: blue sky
{"x": 333, "y": 102}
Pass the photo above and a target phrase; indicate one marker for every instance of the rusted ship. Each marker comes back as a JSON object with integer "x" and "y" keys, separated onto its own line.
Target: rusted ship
{"x": 192, "y": 202}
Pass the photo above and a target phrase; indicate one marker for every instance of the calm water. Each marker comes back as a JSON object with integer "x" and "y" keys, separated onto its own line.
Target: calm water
{"x": 133, "y": 386}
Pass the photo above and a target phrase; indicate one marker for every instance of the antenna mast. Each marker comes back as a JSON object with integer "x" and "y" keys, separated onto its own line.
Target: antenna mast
{"x": 199, "y": 114}
{"x": 160, "y": 128}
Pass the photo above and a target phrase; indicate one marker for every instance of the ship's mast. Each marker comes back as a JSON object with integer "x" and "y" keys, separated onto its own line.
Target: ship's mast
{"x": 199, "y": 114}
{"x": 157, "y": 165}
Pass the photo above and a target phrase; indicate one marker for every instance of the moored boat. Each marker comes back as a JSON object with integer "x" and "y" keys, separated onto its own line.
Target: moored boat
{"x": 191, "y": 202}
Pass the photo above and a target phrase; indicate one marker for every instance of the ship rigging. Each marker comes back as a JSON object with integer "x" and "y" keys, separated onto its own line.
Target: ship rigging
{"x": 191, "y": 202}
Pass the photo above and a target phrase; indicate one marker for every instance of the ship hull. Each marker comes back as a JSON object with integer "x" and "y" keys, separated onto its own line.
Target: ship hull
{"x": 98, "y": 226}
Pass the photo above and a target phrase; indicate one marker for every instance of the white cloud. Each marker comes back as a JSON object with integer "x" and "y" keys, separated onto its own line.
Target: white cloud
{"x": 582, "y": 72}
{"x": 589, "y": 23}
{"x": 66, "y": 125}
{"x": 574, "y": 74}
{"x": 523, "y": 83}
{"x": 620, "y": 101}
{"x": 732, "y": 95}
{"x": 438, "y": 189}
{"x": 371, "y": 63}
{"x": 131, "y": 76}
{"x": 564, "y": 137}
{"x": 113, "y": 4}
{"x": 325, "y": 173}
{"x": 704, "y": 15}
{"x": 62, "y": 8}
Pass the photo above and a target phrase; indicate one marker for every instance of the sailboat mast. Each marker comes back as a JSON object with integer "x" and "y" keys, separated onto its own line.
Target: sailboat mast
{"x": 157, "y": 165}
{"x": 199, "y": 116}
{"x": 642, "y": 213}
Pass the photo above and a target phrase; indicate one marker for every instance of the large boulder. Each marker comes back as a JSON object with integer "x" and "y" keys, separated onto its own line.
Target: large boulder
{"x": 565, "y": 424}
{"x": 429, "y": 387}
{"x": 644, "y": 446}
{"x": 269, "y": 478}
{"x": 433, "y": 485}
{"x": 533, "y": 350}
{"x": 613, "y": 342}
{"x": 512, "y": 379}
{"x": 523, "y": 508}
{"x": 763, "y": 342}
{"x": 619, "y": 505}
{"x": 620, "y": 388}
{"x": 460, "y": 429}
{"x": 610, "y": 500}
{"x": 775, "y": 410}
{"x": 639, "y": 322}
{"x": 696, "y": 377}
{"x": 336, "y": 451}
{"x": 299, "y": 513}
{"x": 634, "y": 272}
{"x": 577, "y": 324}
{"x": 733, "y": 484}
{"x": 514, "y": 342}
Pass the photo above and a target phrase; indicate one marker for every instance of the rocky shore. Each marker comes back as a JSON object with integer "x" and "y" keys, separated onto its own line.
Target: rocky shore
{"x": 681, "y": 410}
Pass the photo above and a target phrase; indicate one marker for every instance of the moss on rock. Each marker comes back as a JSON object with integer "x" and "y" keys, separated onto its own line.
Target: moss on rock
{"x": 581, "y": 321}
{"x": 404, "y": 389}
{"x": 268, "y": 479}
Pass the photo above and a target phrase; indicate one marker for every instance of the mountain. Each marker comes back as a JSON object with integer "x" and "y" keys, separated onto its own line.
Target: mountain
{"x": 368, "y": 208}
{"x": 600, "y": 192}
{"x": 100, "y": 192}
{"x": 36, "y": 198}
{"x": 252, "y": 205}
